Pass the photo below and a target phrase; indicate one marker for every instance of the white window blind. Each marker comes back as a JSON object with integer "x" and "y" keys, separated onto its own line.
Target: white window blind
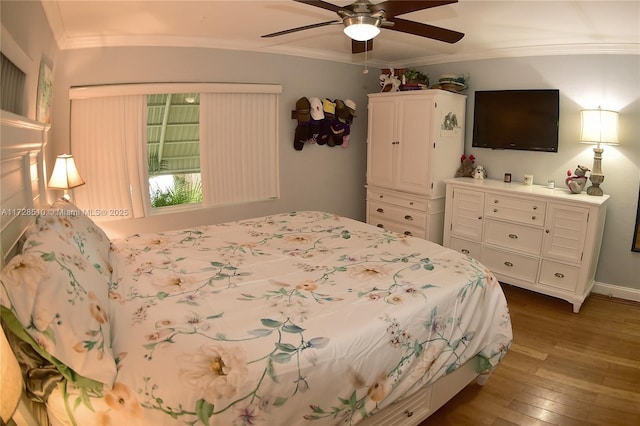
{"x": 238, "y": 143}
{"x": 108, "y": 140}
{"x": 238, "y": 147}
{"x": 11, "y": 86}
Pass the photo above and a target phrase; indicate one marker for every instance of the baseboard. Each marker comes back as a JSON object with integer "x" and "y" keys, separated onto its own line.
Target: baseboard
{"x": 617, "y": 291}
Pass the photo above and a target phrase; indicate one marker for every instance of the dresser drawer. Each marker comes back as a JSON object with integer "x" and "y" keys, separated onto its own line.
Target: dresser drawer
{"x": 400, "y": 228}
{"x": 511, "y": 264}
{"x": 522, "y": 210}
{"x": 393, "y": 213}
{"x": 469, "y": 248}
{"x": 559, "y": 275}
{"x": 522, "y": 238}
{"x": 401, "y": 200}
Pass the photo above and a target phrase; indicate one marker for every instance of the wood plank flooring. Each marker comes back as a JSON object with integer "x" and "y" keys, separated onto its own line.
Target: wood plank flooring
{"x": 562, "y": 369}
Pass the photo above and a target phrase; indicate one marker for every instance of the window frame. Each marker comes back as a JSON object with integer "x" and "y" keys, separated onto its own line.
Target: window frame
{"x": 11, "y": 49}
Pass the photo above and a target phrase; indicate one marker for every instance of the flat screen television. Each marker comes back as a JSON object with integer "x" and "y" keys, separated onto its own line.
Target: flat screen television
{"x": 517, "y": 119}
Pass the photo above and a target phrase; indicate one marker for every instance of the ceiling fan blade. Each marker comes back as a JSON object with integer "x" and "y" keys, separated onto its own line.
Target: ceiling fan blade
{"x": 425, "y": 30}
{"x": 361, "y": 46}
{"x": 399, "y": 7}
{"x": 306, "y": 27}
{"x": 320, "y": 4}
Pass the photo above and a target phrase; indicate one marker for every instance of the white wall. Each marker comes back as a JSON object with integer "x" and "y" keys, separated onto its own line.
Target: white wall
{"x": 611, "y": 81}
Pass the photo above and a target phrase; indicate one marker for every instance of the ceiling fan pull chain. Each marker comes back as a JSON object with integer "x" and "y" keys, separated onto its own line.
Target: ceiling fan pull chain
{"x": 366, "y": 70}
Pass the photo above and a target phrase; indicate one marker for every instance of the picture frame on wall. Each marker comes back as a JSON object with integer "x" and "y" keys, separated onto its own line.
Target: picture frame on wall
{"x": 45, "y": 94}
{"x": 635, "y": 246}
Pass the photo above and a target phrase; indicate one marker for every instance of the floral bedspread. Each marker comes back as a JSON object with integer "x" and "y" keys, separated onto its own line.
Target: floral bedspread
{"x": 298, "y": 318}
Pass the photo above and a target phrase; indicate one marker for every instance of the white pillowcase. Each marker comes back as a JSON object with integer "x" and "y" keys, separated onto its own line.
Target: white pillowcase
{"x": 80, "y": 231}
{"x": 60, "y": 298}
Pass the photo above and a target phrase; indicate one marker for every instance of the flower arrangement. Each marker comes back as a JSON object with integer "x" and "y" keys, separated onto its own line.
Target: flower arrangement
{"x": 413, "y": 76}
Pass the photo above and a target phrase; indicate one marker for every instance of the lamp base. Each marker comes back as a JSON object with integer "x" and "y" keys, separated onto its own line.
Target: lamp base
{"x": 596, "y": 179}
{"x": 595, "y": 190}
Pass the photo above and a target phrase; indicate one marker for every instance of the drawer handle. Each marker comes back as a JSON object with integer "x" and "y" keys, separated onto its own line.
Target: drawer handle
{"x": 495, "y": 201}
{"x": 465, "y": 251}
{"x": 509, "y": 264}
{"x": 513, "y": 236}
{"x": 408, "y": 413}
{"x": 547, "y": 231}
{"x": 408, "y": 233}
{"x": 380, "y": 210}
{"x": 533, "y": 218}
{"x": 479, "y": 217}
{"x": 380, "y": 225}
{"x": 559, "y": 275}
{"x": 408, "y": 217}
{"x": 381, "y": 196}
{"x": 535, "y": 207}
{"x": 410, "y": 203}
{"x": 495, "y": 210}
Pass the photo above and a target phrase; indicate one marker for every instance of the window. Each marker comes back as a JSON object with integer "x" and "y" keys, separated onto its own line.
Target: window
{"x": 173, "y": 149}
{"x": 127, "y": 145}
{"x": 11, "y": 86}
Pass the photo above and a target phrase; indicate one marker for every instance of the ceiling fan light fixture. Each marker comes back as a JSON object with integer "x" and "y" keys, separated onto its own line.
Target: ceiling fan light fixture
{"x": 361, "y": 28}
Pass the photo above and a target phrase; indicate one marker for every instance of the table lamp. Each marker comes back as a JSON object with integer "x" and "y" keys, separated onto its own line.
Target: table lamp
{"x": 65, "y": 175}
{"x": 599, "y": 126}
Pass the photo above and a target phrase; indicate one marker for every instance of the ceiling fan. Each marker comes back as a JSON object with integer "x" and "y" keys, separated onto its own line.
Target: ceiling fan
{"x": 362, "y": 21}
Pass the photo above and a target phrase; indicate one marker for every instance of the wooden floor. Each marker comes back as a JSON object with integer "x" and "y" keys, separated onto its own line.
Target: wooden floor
{"x": 562, "y": 369}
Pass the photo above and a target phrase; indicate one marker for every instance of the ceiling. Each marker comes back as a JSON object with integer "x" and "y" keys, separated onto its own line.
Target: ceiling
{"x": 492, "y": 29}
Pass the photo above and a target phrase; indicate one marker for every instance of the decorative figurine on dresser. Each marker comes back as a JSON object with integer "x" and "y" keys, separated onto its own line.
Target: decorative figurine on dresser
{"x": 415, "y": 141}
{"x": 577, "y": 181}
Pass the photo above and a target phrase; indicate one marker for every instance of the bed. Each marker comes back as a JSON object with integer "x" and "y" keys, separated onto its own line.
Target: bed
{"x": 295, "y": 318}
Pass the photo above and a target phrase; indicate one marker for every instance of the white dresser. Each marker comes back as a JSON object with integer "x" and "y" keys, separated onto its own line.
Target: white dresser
{"x": 415, "y": 141}
{"x": 545, "y": 240}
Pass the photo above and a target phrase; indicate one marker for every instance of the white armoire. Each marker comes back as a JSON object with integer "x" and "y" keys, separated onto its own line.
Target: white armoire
{"x": 415, "y": 141}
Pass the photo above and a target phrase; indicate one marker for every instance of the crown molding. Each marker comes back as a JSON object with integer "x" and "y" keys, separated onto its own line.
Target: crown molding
{"x": 52, "y": 12}
{"x": 524, "y": 51}
{"x": 65, "y": 43}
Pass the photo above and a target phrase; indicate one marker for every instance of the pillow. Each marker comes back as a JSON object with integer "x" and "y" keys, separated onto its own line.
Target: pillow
{"x": 61, "y": 301}
{"x": 71, "y": 222}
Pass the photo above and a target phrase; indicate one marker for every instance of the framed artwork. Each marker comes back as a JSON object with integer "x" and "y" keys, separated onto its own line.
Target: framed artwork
{"x": 45, "y": 93}
{"x": 635, "y": 246}
{"x": 449, "y": 125}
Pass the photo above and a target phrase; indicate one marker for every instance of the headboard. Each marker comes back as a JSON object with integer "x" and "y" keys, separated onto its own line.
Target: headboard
{"x": 22, "y": 178}
{"x": 22, "y": 194}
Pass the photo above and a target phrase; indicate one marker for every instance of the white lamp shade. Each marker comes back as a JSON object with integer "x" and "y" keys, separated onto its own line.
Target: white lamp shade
{"x": 599, "y": 126}
{"x": 65, "y": 174}
{"x": 361, "y": 28}
{"x": 11, "y": 380}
